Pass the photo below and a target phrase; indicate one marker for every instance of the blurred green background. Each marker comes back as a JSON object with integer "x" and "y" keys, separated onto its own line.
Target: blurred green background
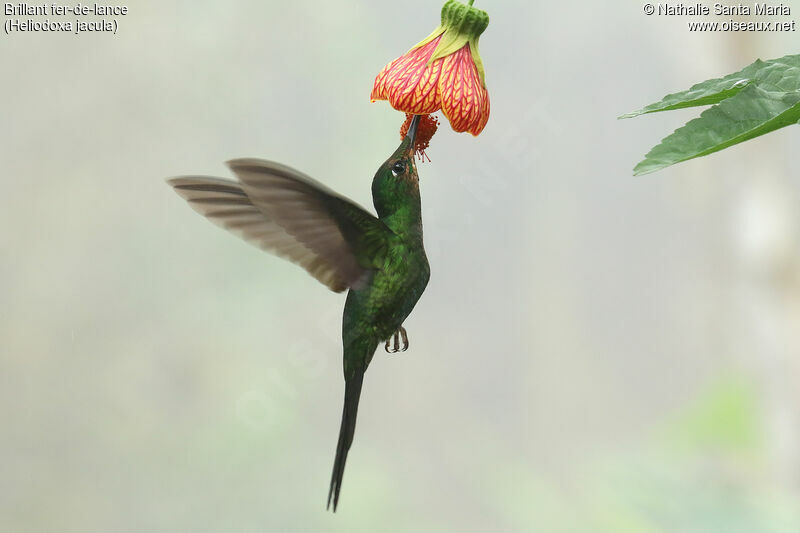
{"x": 594, "y": 353}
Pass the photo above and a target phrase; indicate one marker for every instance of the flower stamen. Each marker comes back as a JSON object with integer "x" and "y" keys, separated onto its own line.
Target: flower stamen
{"x": 427, "y": 126}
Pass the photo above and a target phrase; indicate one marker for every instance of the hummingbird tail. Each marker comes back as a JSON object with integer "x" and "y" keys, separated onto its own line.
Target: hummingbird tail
{"x": 352, "y": 393}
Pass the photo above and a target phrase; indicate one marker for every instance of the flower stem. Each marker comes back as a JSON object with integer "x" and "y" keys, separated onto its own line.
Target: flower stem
{"x": 470, "y": 2}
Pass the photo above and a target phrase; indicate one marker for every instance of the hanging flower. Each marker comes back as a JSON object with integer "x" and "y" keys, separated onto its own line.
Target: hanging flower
{"x": 444, "y": 71}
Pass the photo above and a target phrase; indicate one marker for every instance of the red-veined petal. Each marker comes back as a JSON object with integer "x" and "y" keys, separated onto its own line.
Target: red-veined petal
{"x": 409, "y": 83}
{"x": 464, "y": 99}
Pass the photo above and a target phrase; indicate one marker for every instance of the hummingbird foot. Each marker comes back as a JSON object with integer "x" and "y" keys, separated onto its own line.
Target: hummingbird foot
{"x": 405, "y": 338}
{"x": 395, "y": 341}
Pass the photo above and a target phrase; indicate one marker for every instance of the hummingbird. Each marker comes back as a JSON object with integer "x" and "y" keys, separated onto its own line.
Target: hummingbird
{"x": 380, "y": 260}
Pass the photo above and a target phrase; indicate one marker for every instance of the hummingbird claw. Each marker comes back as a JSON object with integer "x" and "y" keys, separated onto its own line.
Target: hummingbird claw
{"x": 393, "y": 343}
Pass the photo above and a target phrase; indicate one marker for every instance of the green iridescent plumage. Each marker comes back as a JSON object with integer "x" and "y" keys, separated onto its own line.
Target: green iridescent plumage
{"x": 381, "y": 260}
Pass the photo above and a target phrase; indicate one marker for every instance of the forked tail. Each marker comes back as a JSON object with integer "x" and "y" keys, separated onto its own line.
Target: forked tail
{"x": 352, "y": 393}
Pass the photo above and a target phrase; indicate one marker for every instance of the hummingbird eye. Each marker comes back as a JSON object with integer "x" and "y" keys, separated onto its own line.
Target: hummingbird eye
{"x": 398, "y": 168}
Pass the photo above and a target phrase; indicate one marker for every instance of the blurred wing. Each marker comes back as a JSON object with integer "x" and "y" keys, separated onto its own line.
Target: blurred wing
{"x": 336, "y": 229}
{"x": 333, "y": 263}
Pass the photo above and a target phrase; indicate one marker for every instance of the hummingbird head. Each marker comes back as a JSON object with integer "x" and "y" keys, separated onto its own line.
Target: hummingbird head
{"x": 396, "y": 183}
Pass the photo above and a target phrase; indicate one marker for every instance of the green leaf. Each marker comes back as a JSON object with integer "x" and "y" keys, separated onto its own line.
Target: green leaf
{"x": 706, "y": 93}
{"x": 752, "y": 112}
{"x": 758, "y": 99}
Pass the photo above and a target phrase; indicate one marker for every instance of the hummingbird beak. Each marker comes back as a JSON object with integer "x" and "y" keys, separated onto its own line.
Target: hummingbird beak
{"x": 412, "y": 131}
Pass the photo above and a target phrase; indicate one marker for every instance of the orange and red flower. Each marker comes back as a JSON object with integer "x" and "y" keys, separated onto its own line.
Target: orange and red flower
{"x": 444, "y": 71}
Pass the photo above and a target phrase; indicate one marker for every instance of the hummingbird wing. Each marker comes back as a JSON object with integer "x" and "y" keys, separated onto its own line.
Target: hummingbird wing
{"x": 291, "y": 215}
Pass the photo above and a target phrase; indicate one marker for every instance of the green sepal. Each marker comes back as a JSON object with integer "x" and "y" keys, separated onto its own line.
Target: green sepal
{"x": 464, "y": 19}
{"x": 434, "y": 34}
{"x": 461, "y": 24}
{"x": 476, "y": 57}
{"x": 451, "y": 42}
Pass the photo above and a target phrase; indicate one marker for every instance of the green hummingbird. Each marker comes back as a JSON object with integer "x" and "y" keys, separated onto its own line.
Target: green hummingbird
{"x": 381, "y": 260}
